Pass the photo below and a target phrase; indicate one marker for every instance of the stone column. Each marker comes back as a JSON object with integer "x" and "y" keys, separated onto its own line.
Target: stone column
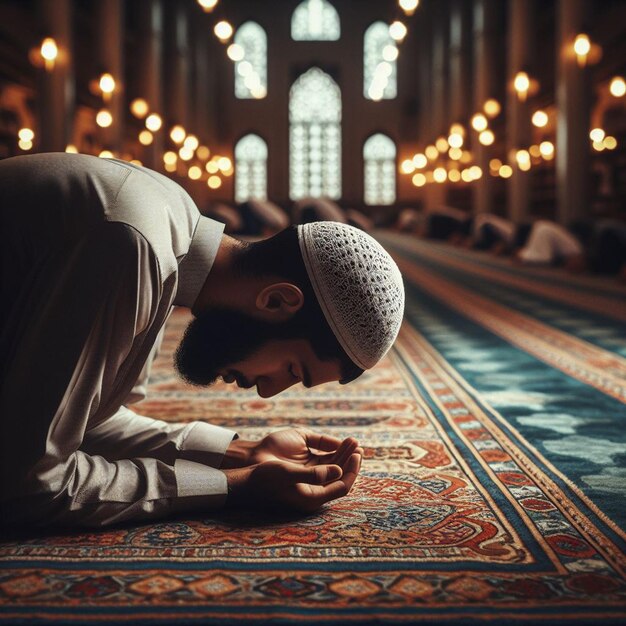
{"x": 485, "y": 57}
{"x": 518, "y": 124}
{"x": 150, "y": 75}
{"x": 436, "y": 192}
{"x": 57, "y": 87}
{"x": 460, "y": 62}
{"x": 573, "y": 114}
{"x": 110, "y": 58}
{"x": 177, "y": 64}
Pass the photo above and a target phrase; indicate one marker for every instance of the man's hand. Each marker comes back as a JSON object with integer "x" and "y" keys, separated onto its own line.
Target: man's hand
{"x": 294, "y": 445}
{"x": 298, "y": 486}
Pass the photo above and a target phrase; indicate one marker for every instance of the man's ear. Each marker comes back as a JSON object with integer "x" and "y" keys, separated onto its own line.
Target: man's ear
{"x": 279, "y": 301}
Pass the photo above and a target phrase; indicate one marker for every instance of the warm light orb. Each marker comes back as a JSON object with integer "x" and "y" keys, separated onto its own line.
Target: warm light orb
{"x": 431, "y": 152}
{"x": 540, "y": 119}
{"x": 170, "y": 167}
{"x": 547, "y": 150}
{"x": 235, "y": 52}
{"x": 26, "y": 134}
{"x": 145, "y": 137}
{"x": 454, "y": 176}
{"x": 170, "y": 157}
{"x": 506, "y": 171}
{"x": 211, "y": 167}
{"x": 492, "y": 107}
{"x": 522, "y": 156}
{"x": 442, "y": 144}
{"x": 185, "y": 153}
{"x": 475, "y": 172}
{"x": 154, "y": 122}
{"x": 25, "y": 145}
{"x": 107, "y": 83}
{"x": 214, "y": 182}
{"x": 419, "y": 180}
{"x": 479, "y": 122}
{"x": 408, "y": 6}
{"x": 455, "y": 140}
{"x": 455, "y": 154}
{"x": 610, "y": 143}
{"x": 597, "y": 134}
{"x": 390, "y": 53}
{"x": 139, "y": 108}
{"x": 177, "y": 134}
{"x": 191, "y": 142}
{"x": 71, "y": 149}
{"x": 49, "y": 52}
{"x": 224, "y": 163}
{"x": 617, "y": 87}
{"x": 194, "y": 172}
{"x": 106, "y": 154}
{"x": 203, "y": 153}
{"x": 535, "y": 151}
{"x": 486, "y": 138}
{"x": 495, "y": 164}
{"x": 521, "y": 84}
{"x": 397, "y": 31}
{"x": 223, "y": 30}
{"x": 582, "y": 45}
{"x": 207, "y": 5}
{"x": 104, "y": 119}
{"x": 420, "y": 161}
{"x": 598, "y": 145}
{"x": 440, "y": 175}
{"x": 244, "y": 68}
{"x": 407, "y": 166}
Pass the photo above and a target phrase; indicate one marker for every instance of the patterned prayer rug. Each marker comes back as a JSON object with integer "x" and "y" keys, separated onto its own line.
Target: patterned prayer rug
{"x": 492, "y": 489}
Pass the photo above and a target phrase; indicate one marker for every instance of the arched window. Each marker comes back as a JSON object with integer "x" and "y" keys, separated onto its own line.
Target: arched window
{"x": 250, "y": 169}
{"x": 379, "y": 156}
{"x": 314, "y": 136}
{"x": 315, "y": 20}
{"x": 379, "y": 63}
{"x": 251, "y": 69}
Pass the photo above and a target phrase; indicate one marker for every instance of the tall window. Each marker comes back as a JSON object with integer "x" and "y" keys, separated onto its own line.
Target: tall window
{"x": 315, "y": 20}
{"x": 314, "y": 136}
{"x": 251, "y": 68}
{"x": 379, "y": 156}
{"x": 379, "y": 63}
{"x": 250, "y": 169}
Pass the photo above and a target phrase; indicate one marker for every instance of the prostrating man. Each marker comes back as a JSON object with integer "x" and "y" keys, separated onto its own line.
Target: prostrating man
{"x": 96, "y": 252}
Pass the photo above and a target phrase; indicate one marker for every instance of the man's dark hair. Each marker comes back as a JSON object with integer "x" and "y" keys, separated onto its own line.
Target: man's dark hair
{"x": 280, "y": 256}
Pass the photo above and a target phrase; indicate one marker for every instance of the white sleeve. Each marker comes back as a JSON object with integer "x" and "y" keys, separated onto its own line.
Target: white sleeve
{"x": 91, "y": 302}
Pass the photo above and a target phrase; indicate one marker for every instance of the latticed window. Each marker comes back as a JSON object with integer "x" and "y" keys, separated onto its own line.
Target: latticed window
{"x": 379, "y": 156}
{"x": 315, "y": 20}
{"x": 250, "y": 169}
{"x": 251, "y": 69}
{"x": 379, "y": 63}
{"x": 314, "y": 136}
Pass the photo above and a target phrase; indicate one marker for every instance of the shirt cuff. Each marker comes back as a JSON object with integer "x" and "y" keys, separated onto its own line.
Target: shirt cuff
{"x": 206, "y": 444}
{"x": 198, "y": 487}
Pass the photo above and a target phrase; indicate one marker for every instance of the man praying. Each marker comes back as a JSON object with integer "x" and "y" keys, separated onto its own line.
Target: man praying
{"x": 96, "y": 253}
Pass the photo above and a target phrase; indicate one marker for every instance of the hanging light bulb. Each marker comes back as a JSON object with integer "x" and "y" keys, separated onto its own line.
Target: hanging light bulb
{"x": 49, "y": 52}
{"x": 223, "y": 31}
{"x": 540, "y": 119}
{"x": 521, "y": 83}
{"x": 104, "y": 119}
{"x": 139, "y": 108}
{"x": 582, "y": 47}
{"x": 397, "y": 31}
{"x": 408, "y": 6}
{"x": 617, "y": 87}
{"x": 107, "y": 86}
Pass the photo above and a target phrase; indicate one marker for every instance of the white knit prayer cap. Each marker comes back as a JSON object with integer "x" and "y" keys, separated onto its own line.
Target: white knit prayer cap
{"x": 358, "y": 285}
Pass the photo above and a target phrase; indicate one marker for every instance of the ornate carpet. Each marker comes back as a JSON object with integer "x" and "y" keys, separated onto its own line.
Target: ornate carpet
{"x": 493, "y": 487}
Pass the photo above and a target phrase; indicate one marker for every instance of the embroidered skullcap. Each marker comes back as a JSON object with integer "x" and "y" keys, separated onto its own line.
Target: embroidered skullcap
{"x": 358, "y": 286}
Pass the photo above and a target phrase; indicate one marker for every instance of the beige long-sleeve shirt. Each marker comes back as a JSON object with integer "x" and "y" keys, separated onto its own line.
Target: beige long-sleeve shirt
{"x": 95, "y": 253}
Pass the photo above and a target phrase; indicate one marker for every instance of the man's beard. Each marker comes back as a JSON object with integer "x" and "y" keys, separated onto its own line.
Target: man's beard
{"x": 220, "y": 337}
